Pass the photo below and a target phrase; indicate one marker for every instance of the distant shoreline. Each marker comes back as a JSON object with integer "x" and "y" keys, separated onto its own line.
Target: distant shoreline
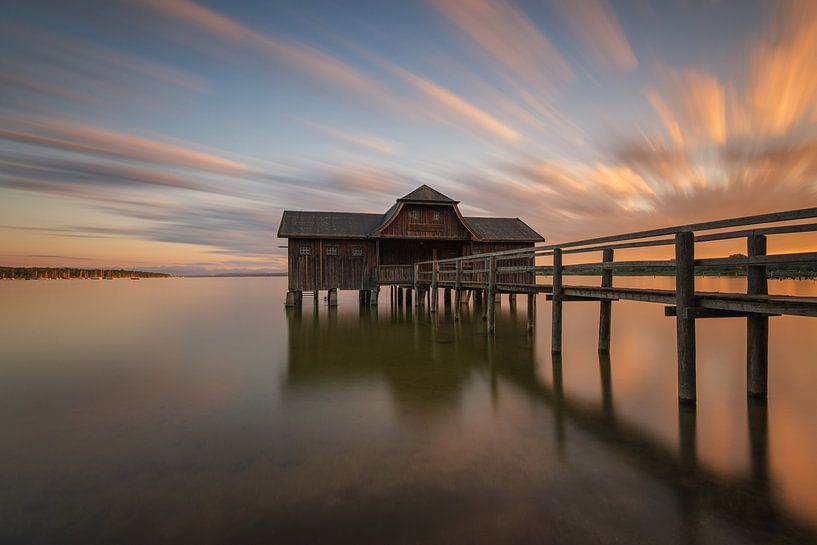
{"x": 73, "y": 273}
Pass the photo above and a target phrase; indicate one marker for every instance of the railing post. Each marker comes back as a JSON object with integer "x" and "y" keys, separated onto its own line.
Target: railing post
{"x": 531, "y": 311}
{"x": 491, "y": 303}
{"x": 416, "y": 285}
{"x": 556, "y": 322}
{"x": 605, "y": 307}
{"x": 685, "y": 327}
{"x": 435, "y": 270}
{"x": 757, "y": 327}
{"x": 458, "y": 292}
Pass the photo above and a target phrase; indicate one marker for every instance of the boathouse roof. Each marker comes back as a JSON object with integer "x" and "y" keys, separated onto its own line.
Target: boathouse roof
{"x": 311, "y": 224}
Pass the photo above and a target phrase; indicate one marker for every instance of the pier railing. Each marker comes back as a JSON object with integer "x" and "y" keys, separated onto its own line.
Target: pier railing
{"x": 516, "y": 271}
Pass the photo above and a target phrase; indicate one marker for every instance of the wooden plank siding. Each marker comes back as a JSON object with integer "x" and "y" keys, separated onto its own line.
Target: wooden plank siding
{"x": 320, "y": 271}
{"x": 418, "y": 221}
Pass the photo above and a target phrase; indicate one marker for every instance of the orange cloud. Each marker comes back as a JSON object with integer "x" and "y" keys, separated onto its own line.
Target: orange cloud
{"x": 693, "y": 107}
{"x": 596, "y": 26}
{"x": 510, "y": 38}
{"x": 781, "y": 91}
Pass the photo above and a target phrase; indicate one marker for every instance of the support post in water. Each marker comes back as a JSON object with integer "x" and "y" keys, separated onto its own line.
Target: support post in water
{"x": 447, "y": 297}
{"x": 491, "y": 291}
{"x": 531, "y": 311}
{"x": 556, "y": 330}
{"x": 458, "y": 291}
{"x": 435, "y": 271}
{"x": 605, "y": 307}
{"x": 399, "y": 296}
{"x": 409, "y": 291}
{"x": 757, "y": 327}
{"x": 685, "y": 327}
{"x": 333, "y": 297}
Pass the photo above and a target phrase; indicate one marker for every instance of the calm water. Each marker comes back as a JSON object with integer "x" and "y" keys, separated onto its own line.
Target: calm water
{"x": 201, "y": 411}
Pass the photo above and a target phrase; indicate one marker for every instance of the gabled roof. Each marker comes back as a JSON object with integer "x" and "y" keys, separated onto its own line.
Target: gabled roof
{"x": 296, "y": 223}
{"x": 503, "y": 230}
{"x": 427, "y": 194}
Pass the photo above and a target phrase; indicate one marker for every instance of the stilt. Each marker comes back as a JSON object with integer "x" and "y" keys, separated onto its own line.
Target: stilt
{"x": 687, "y": 429}
{"x": 374, "y": 295}
{"x": 447, "y": 297}
{"x": 399, "y": 296}
{"x": 512, "y": 300}
{"x": 685, "y": 298}
{"x": 333, "y": 297}
{"x": 757, "y": 327}
{"x": 409, "y": 291}
{"x": 290, "y": 299}
{"x": 315, "y": 295}
{"x": 531, "y": 311}
{"x": 605, "y": 307}
{"x": 477, "y": 297}
{"x": 556, "y": 307}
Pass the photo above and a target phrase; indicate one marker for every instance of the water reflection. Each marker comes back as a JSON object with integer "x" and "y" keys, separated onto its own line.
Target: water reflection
{"x": 429, "y": 362}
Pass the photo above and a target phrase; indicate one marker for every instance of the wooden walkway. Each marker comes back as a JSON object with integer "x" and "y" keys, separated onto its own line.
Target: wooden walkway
{"x": 488, "y": 275}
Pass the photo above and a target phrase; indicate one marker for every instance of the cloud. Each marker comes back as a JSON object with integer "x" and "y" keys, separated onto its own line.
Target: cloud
{"x": 510, "y": 38}
{"x": 595, "y": 24}
{"x": 362, "y": 140}
{"x": 298, "y": 55}
{"x": 692, "y": 106}
{"x": 80, "y": 137}
{"x": 781, "y": 89}
{"x": 456, "y": 106}
{"x": 30, "y": 172}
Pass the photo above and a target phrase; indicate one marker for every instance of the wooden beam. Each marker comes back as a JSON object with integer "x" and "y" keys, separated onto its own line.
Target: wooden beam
{"x": 702, "y": 312}
{"x": 491, "y": 303}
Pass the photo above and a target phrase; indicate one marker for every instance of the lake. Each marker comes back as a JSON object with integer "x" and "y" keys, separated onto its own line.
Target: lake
{"x": 203, "y": 411}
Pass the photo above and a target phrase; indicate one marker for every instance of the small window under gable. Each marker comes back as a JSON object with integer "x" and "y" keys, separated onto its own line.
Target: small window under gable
{"x": 357, "y": 250}
{"x": 331, "y": 250}
{"x": 436, "y": 216}
{"x": 415, "y": 215}
{"x": 305, "y": 249}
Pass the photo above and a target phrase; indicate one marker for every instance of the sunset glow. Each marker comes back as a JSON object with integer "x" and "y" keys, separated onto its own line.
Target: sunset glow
{"x": 170, "y": 135}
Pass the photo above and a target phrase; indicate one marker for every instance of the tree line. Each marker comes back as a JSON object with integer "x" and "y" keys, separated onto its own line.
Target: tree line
{"x": 53, "y": 273}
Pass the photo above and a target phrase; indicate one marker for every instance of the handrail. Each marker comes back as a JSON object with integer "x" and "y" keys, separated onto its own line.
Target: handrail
{"x": 633, "y": 238}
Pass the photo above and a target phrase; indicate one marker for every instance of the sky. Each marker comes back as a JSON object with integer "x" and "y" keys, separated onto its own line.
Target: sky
{"x": 170, "y": 135}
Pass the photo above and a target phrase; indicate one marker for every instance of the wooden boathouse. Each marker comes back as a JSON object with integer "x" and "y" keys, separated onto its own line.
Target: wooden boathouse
{"x": 352, "y": 251}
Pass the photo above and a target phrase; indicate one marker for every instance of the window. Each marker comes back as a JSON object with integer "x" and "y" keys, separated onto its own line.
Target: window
{"x": 331, "y": 250}
{"x": 436, "y": 216}
{"x": 357, "y": 250}
{"x": 305, "y": 249}
{"x": 415, "y": 215}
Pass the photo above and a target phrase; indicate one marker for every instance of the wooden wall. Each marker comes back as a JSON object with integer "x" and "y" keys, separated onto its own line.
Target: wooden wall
{"x": 423, "y": 225}
{"x": 320, "y": 271}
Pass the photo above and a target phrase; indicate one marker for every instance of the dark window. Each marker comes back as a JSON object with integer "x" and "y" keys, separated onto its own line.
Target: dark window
{"x": 357, "y": 250}
{"x": 415, "y": 215}
{"x": 436, "y": 216}
{"x": 305, "y": 249}
{"x": 331, "y": 250}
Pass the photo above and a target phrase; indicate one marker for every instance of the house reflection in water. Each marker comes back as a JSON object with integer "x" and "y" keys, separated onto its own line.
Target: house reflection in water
{"x": 448, "y": 382}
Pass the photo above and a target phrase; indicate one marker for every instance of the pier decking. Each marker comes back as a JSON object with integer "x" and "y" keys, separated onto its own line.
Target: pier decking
{"x": 486, "y": 274}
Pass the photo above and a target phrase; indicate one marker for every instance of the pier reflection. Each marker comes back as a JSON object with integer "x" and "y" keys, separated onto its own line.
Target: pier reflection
{"x": 431, "y": 362}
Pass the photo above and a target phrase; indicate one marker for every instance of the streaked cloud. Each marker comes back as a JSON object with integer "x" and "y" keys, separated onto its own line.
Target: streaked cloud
{"x": 595, "y": 25}
{"x": 456, "y": 106}
{"x": 81, "y": 137}
{"x": 692, "y": 106}
{"x": 781, "y": 88}
{"x": 509, "y": 37}
{"x": 370, "y": 142}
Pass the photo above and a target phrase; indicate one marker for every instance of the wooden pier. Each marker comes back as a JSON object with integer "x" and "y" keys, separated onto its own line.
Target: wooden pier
{"x": 487, "y": 275}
